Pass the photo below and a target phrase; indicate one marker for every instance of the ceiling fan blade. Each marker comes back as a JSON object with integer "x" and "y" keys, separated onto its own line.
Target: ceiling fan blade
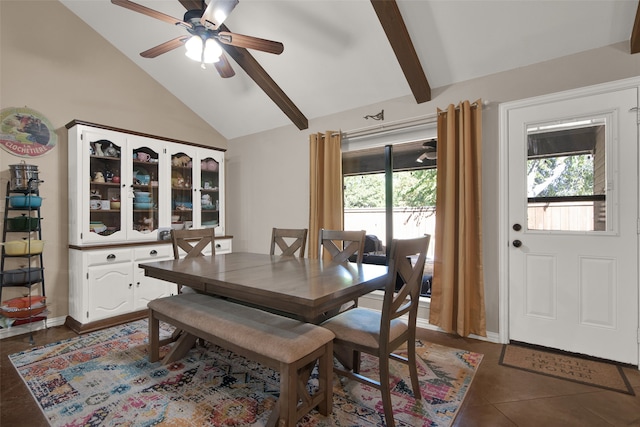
{"x": 216, "y": 12}
{"x": 249, "y": 64}
{"x": 224, "y": 67}
{"x": 149, "y": 12}
{"x": 164, "y": 47}
{"x": 249, "y": 42}
{"x": 191, "y": 4}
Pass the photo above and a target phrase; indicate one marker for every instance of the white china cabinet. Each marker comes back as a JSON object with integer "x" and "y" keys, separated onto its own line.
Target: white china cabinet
{"x": 124, "y": 187}
{"x": 109, "y": 282}
{"x": 126, "y": 190}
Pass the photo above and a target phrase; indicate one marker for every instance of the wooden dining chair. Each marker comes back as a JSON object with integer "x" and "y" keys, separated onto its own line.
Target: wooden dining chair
{"x": 381, "y": 333}
{"x": 342, "y": 244}
{"x": 192, "y": 241}
{"x": 289, "y": 247}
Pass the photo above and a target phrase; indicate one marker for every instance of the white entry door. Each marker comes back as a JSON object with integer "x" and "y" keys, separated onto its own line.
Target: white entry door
{"x": 573, "y": 223}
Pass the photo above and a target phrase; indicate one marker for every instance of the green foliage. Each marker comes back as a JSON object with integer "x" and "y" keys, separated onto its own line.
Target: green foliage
{"x": 561, "y": 176}
{"x": 415, "y": 188}
{"x": 410, "y": 189}
{"x": 364, "y": 191}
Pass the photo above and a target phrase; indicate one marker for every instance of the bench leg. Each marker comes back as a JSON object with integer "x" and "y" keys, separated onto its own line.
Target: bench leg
{"x": 293, "y": 387}
{"x": 154, "y": 337}
{"x": 288, "y": 401}
{"x": 274, "y": 416}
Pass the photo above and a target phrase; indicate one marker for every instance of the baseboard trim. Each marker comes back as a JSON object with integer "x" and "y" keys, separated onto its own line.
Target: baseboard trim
{"x": 491, "y": 336}
{"x": 83, "y": 328}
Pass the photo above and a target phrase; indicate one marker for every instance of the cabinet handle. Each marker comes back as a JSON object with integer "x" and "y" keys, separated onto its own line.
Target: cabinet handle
{"x": 111, "y": 257}
{"x": 153, "y": 252}
{"x": 218, "y": 245}
{"x": 130, "y": 285}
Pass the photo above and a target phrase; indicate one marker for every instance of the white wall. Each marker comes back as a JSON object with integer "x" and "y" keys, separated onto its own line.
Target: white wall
{"x": 268, "y": 183}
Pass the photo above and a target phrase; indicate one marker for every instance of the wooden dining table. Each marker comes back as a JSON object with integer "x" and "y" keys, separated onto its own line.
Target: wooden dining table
{"x": 302, "y": 288}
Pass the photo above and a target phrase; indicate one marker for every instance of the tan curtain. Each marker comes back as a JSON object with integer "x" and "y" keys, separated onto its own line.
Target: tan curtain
{"x": 325, "y": 181}
{"x": 457, "y": 296}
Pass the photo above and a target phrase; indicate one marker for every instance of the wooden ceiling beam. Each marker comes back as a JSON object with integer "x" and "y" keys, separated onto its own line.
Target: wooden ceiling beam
{"x": 635, "y": 34}
{"x": 396, "y": 31}
{"x": 191, "y": 4}
{"x": 251, "y": 66}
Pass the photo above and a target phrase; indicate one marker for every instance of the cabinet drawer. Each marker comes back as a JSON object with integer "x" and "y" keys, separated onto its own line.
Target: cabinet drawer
{"x": 153, "y": 252}
{"x": 223, "y": 246}
{"x": 109, "y": 256}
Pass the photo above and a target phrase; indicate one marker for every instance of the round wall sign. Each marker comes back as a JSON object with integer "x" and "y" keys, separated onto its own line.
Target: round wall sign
{"x": 25, "y": 132}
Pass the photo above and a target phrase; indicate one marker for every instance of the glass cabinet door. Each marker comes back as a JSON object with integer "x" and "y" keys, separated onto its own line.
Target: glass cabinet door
{"x": 105, "y": 163}
{"x": 182, "y": 189}
{"x": 144, "y": 175}
{"x": 209, "y": 192}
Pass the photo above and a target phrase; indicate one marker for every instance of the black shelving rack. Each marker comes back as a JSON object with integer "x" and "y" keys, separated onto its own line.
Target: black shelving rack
{"x": 33, "y": 271}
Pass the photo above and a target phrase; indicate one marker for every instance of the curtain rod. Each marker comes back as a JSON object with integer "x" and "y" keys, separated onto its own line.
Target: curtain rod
{"x": 399, "y": 124}
{"x": 414, "y": 121}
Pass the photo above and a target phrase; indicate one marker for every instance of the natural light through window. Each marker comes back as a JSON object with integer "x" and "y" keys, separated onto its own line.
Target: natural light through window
{"x": 567, "y": 177}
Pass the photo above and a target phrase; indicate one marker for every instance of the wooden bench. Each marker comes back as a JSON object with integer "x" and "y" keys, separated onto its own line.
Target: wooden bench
{"x": 287, "y": 345}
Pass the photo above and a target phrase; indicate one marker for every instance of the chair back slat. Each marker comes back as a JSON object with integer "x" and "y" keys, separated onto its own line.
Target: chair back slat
{"x": 192, "y": 241}
{"x": 407, "y": 258}
{"x": 288, "y": 247}
{"x": 342, "y": 244}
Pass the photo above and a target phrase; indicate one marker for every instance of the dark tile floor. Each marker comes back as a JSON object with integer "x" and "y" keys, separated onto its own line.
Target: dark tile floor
{"x": 499, "y": 396}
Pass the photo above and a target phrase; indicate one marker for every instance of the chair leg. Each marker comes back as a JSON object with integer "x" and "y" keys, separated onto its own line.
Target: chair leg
{"x": 413, "y": 369}
{"x": 385, "y": 391}
{"x": 356, "y": 362}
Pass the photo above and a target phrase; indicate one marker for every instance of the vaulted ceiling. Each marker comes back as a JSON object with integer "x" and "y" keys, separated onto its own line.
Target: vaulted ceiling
{"x": 344, "y": 54}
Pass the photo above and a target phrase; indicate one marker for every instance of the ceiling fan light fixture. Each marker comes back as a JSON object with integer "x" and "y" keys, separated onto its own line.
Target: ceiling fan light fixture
{"x": 194, "y": 48}
{"x": 205, "y": 52}
{"x": 212, "y": 51}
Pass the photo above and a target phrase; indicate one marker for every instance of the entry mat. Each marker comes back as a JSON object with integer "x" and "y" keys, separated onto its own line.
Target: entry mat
{"x": 587, "y": 371}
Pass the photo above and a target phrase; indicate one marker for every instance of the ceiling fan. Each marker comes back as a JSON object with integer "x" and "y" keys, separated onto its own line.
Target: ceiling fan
{"x": 430, "y": 151}
{"x": 203, "y": 24}
{"x": 208, "y": 21}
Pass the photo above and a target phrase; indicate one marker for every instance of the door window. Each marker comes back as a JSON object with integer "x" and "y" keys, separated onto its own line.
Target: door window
{"x": 567, "y": 179}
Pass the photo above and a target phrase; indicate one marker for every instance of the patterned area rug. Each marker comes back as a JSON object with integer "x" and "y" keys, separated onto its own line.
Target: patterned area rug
{"x": 559, "y": 365}
{"x": 104, "y": 379}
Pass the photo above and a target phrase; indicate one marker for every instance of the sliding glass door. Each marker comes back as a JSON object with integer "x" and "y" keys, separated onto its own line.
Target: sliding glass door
{"x": 389, "y": 191}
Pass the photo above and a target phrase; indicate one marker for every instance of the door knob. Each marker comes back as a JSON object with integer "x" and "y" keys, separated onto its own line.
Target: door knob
{"x": 517, "y": 243}
{"x": 517, "y": 227}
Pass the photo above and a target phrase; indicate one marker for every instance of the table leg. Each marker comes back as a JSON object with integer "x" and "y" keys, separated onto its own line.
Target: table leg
{"x": 180, "y": 348}
{"x": 154, "y": 338}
